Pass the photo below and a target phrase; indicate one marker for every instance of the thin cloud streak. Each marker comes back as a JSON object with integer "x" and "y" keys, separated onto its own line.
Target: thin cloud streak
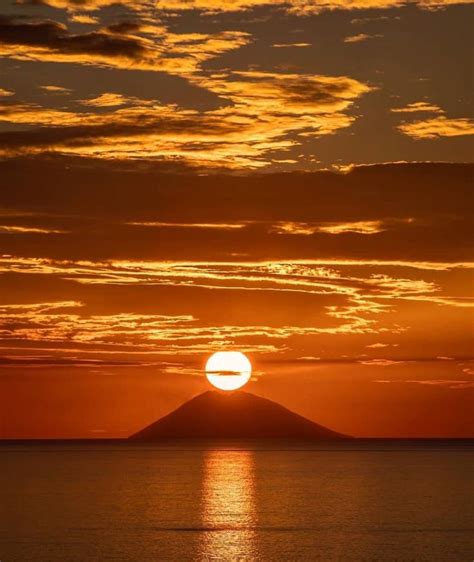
{"x": 298, "y": 7}
{"x": 448, "y": 383}
{"x": 353, "y": 305}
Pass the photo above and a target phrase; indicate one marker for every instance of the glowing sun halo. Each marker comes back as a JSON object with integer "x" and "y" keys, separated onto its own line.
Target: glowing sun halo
{"x": 228, "y": 370}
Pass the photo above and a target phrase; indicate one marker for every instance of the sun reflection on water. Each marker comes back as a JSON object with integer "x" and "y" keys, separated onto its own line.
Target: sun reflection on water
{"x": 228, "y": 508}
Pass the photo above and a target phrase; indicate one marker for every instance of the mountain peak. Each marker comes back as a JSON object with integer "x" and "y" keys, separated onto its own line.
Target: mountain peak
{"x": 227, "y": 415}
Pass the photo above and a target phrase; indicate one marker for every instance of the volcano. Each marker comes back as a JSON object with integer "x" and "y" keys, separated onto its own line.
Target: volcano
{"x": 235, "y": 415}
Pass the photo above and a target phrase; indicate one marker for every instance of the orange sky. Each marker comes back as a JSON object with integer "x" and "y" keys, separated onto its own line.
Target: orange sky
{"x": 288, "y": 180}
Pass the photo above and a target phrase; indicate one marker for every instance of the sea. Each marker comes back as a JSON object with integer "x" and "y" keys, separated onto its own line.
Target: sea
{"x": 374, "y": 500}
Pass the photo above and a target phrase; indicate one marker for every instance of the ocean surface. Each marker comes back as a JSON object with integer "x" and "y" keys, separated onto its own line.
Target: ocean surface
{"x": 362, "y": 500}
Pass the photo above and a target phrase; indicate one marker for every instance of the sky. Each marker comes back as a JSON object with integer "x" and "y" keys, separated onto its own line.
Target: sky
{"x": 289, "y": 179}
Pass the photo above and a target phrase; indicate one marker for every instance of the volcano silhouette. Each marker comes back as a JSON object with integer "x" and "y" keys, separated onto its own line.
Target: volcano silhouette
{"x": 240, "y": 415}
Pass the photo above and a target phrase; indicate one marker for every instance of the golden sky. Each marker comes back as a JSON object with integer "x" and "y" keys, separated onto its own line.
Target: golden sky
{"x": 288, "y": 179}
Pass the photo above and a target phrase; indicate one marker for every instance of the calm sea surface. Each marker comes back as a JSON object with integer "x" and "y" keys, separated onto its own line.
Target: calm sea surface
{"x": 380, "y": 500}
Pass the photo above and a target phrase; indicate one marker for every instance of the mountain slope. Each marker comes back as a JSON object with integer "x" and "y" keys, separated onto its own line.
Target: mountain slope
{"x": 234, "y": 415}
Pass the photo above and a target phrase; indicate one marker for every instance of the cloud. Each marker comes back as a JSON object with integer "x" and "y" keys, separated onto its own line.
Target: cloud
{"x": 266, "y": 112}
{"x": 418, "y": 107}
{"x": 440, "y": 4}
{"x": 304, "y": 275}
{"x": 10, "y": 229}
{"x": 382, "y": 362}
{"x": 47, "y": 361}
{"x": 359, "y": 227}
{"x": 370, "y": 19}
{"x": 360, "y": 37}
{"x": 55, "y": 89}
{"x": 51, "y": 41}
{"x": 307, "y": 229}
{"x": 282, "y": 227}
{"x": 228, "y": 217}
{"x": 33, "y": 114}
{"x": 86, "y": 19}
{"x": 45, "y": 324}
{"x": 110, "y": 99}
{"x": 356, "y": 227}
{"x": 448, "y": 383}
{"x": 129, "y": 303}
{"x": 287, "y": 45}
{"x": 299, "y": 7}
{"x": 353, "y": 304}
{"x": 198, "y": 225}
{"x": 278, "y": 93}
{"x": 5, "y": 93}
{"x": 89, "y": 5}
{"x": 438, "y": 127}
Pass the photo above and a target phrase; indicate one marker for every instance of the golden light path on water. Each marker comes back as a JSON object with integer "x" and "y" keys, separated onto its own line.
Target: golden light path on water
{"x": 228, "y": 507}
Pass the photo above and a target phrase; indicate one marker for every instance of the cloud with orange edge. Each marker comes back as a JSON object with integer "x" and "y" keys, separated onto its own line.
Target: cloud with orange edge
{"x": 438, "y": 127}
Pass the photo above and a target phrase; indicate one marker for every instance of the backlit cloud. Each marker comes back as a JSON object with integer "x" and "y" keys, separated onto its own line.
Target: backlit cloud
{"x": 10, "y": 229}
{"x": 290, "y": 227}
{"x": 360, "y": 37}
{"x": 380, "y": 362}
{"x": 418, "y": 107}
{"x": 192, "y": 225}
{"x": 55, "y": 89}
{"x": 301, "y": 7}
{"x": 448, "y": 383}
{"x": 109, "y": 99}
{"x": 365, "y": 298}
{"x": 51, "y": 41}
{"x": 438, "y": 127}
{"x": 356, "y": 227}
{"x": 84, "y": 18}
{"x": 266, "y": 112}
{"x": 46, "y": 324}
{"x": 289, "y": 45}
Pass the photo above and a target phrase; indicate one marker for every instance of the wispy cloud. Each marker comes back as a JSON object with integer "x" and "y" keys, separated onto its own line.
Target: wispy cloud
{"x": 48, "y": 323}
{"x": 52, "y": 89}
{"x": 360, "y": 37}
{"x": 84, "y": 18}
{"x": 126, "y": 48}
{"x": 358, "y": 227}
{"x": 353, "y": 304}
{"x": 438, "y": 127}
{"x": 300, "y": 7}
{"x": 286, "y": 227}
{"x": 379, "y": 345}
{"x": 191, "y": 225}
{"x": 418, "y": 107}
{"x": 448, "y": 383}
{"x": 110, "y": 99}
{"x": 289, "y": 45}
{"x": 267, "y": 112}
{"x": 381, "y": 362}
{"x": 8, "y": 229}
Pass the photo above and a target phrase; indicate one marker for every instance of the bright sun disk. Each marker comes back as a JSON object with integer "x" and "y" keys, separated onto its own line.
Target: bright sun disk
{"x": 228, "y": 370}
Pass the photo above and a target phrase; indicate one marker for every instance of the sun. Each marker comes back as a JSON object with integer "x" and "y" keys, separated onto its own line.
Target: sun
{"x": 228, "y": 370}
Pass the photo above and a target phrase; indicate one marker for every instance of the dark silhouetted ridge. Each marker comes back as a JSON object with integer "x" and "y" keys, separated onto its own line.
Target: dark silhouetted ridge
{"x": 237, "y": 415}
